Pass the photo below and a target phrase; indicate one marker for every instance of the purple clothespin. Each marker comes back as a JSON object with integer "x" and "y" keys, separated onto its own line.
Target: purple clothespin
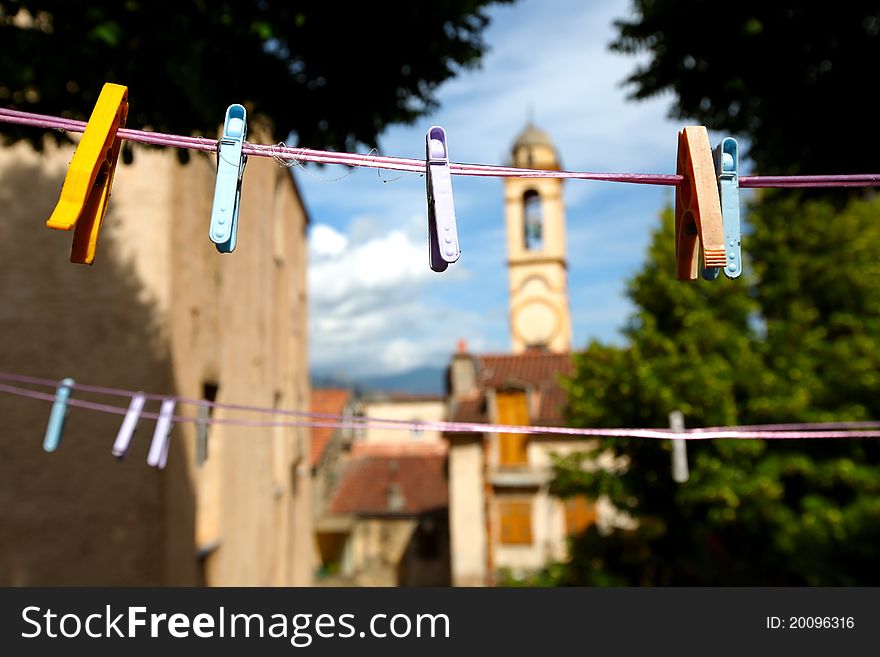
{"x": 443, "y": 246}
{"x": 129, "y": 424}
{"x": 158, "y": 455}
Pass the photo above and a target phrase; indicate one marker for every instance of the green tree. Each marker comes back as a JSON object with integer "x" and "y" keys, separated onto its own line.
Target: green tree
{"x": 727, "y": 352}
{"x": 796, "y": 339}
{"x": 790, "y": 75}
{"x": 335, "y": 76}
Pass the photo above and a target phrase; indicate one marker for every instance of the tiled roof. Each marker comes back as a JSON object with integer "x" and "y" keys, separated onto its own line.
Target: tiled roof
{"x": 539, "y": 368}
{"x": 329, "y": 400}
{"x": 470, "y": 409}
{"x": 539, "y": 371}
{"x": 402, "y": 485}
{"x": 552, "y": 403}
{"x": 413, "y": 397}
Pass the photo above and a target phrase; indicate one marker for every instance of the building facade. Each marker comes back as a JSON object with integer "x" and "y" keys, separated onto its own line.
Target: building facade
{"x": 386, "y": 518}
{"x": 402, "y": 408}
{"x": 160, "y": 311}
{"x": 502, "y": 517}
{"x": 534, "y": 212}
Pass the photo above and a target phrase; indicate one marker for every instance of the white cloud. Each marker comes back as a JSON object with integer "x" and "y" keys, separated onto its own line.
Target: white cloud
{"x": 375, "y": 306}
{"x": 326, "y": 241}
{"x": 344, "y": 270}
{"x": 368, "y": 308}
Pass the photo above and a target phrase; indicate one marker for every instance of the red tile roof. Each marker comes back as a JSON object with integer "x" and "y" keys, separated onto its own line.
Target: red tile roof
{"x": 470, "y": 409}
{"x": 538, "y": 368}
{"x": 370, "y": 485}
{"x": 539, "y": 371}
{"x": 411, "y": 397}
{"x": 550, "y": 410}
{"x": 329, "y": 400}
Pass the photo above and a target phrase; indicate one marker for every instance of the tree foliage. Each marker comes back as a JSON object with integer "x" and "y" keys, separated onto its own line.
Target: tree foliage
{"x": 798, "y": 341}
{"x": 792, "y": 76}
{"x": 334, "y": 75}
{"x": 795, "y": 339}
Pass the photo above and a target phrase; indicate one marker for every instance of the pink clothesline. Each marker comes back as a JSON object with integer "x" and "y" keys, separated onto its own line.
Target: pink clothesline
{"x": 804, "y": 430}
{"x": 418, "y": 166}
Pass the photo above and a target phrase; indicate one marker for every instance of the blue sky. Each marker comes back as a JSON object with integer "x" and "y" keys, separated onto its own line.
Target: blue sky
{"x": 376, "y": 308}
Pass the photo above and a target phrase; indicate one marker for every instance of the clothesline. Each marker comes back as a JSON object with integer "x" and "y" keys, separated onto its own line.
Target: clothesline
{"x": 825, "y": 430}
{"x": 289, "y": 154}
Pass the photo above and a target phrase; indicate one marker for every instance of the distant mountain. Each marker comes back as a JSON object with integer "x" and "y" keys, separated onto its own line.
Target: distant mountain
{"x": 420, "y": 381}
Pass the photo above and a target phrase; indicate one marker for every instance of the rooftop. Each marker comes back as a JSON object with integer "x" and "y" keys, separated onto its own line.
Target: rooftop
{"x": 331, "y": 401}
{"x": 538, "y": 371}
{"x": 532, "y": 135}
{"x": 404, "y": 484}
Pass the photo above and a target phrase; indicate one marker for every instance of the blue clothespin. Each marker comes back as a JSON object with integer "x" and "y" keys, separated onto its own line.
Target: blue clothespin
{"x": 727, "y": 169}
{"x": 129, "y": 424}
{"x": 57, "y": 415}
{"x": 443, "y": 246}
{"x": 158, "y": 454}
{"x": 230, "y": 169}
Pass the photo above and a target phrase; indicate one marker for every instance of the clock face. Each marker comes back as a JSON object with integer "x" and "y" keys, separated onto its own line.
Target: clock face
{"x": 536, "y": 323}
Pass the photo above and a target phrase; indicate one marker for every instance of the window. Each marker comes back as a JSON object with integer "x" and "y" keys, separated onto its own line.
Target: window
{"x": 515, "y": 522}
{"x": 580, "y": 513}
{"x": 513, "y": 409}
{"x": 204, "y": 413}
{"x": 427, "y": 539}
{"x": 533, "y": 221}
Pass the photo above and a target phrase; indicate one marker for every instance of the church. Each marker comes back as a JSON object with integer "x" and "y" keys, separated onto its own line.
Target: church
{"x": 467, "y": 509}
{"x": 502, "y": 518}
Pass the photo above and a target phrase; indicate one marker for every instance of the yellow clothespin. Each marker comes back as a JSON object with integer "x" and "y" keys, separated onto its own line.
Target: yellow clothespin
{"x": 86, "y": 189}
{"x": 698, "y": 221}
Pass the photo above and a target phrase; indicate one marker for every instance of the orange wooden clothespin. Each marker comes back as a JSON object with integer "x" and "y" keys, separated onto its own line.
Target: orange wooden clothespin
{"x": 86, "y": 188}
{"x": 698, "y": 220}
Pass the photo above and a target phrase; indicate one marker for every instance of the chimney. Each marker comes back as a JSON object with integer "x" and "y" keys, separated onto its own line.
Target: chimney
{"x": 462, "y": 372}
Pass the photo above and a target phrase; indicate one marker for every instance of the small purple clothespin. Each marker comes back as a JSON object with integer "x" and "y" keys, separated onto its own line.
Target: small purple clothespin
{"x": 129, "y": 424}
{"x": 158, "y": 455}
{"x": 443, "y": 246}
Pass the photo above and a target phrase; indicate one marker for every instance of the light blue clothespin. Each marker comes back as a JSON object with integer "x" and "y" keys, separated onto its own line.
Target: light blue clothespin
{"x": 158, "y": 455}
{"x": 57, "y": 415}
{"x": 727, "y": 169}
{"x": 129, "y": 424}
{"x": 443, "y": 246}
{"x": 230, "y": 169}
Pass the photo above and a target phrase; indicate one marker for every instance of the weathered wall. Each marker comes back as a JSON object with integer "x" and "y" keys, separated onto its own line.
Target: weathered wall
{"x": 538, "y": 279}
{"x": 409, "y": 410}
{"x": 467, "y": 516}
{"x": 160, "y": 311}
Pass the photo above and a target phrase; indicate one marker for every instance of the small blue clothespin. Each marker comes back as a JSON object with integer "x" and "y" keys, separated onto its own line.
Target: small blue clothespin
{"x": 158, "y": 454}
{"x": 230, "y": 170}
{"x": 57, "y": 415}
{"x": 443, "y": 246}
{"x": 727, "y": 169}
{"x": 129, "y": 424}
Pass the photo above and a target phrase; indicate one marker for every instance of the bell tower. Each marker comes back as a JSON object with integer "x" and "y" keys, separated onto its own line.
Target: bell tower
{"x": 535, "y": 217}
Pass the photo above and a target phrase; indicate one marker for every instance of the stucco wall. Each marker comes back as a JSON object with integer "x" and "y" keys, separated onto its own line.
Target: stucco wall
{"x": 467, "y": 517}
{"x": 427, "y": 411}
{"x": 160, "y": 311}
{"x": 538, "y": 284}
